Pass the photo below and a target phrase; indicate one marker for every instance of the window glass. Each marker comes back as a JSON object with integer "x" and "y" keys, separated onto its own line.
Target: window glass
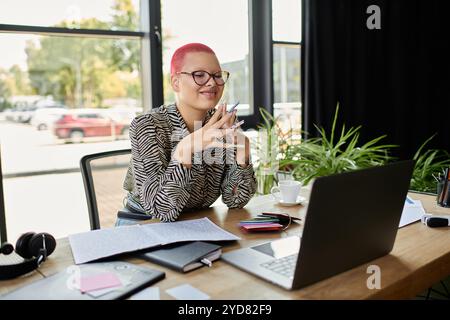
{"x": 76, "y": 14}
{"x": 60, "y": 99}
{"x": 221, "y": 25}
{"x": 286, "y": 76}
{"x": 286, "y": 20}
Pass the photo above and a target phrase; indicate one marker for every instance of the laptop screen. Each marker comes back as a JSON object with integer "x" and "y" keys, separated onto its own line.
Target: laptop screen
{"x": 280, "y": 248}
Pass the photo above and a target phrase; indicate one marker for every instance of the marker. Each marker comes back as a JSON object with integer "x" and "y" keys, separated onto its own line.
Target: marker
{"x": 233, "y": 107}
{"x": 435, "y": 221}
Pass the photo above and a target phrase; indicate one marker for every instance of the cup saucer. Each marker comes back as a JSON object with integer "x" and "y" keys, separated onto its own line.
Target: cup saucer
{"x": 289, "y": 204}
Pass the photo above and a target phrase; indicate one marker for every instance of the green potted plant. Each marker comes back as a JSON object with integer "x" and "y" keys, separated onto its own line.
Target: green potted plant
{"x": 266, "y": 144}
{"x": 333, "y": 154}
{"x": 429, "y": 164}
{"x": 279, "y": 152}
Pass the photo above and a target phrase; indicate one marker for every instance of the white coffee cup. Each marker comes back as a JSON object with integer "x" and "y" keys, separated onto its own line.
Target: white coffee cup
{"x": 289, "y": 190}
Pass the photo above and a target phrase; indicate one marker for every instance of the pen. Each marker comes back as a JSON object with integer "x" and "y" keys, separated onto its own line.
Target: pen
{"x": 445, "y": 197}
{"x": 441, "y": 196}
{"x": 234, "y": 126}
{"x": 206, "y": 262}
{"x": 285, "y": 215}
{"x": 233, "y": 107}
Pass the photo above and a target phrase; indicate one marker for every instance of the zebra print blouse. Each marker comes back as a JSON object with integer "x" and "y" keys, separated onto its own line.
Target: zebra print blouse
{"x": 162, "y": 187}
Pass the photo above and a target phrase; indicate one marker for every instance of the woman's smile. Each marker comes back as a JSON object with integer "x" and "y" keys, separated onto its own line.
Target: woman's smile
{"x": 209, "y": 94}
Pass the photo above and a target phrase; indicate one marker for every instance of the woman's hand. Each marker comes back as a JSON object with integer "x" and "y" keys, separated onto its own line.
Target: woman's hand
{"x": 207, "y": 137}
{"x": 239, "y": 139}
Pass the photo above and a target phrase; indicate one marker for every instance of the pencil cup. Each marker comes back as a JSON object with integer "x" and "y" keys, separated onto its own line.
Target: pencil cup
{"x": 440, "y": 196}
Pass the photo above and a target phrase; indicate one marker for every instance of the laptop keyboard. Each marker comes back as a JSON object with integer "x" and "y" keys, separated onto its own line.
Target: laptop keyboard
{"x": 284, "y": 266}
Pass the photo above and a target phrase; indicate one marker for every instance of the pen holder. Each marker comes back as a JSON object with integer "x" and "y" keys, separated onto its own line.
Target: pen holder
{"x": 440, "y": 189}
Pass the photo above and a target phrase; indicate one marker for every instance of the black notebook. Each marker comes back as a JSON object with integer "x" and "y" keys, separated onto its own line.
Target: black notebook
{"x": 184, "y": 257}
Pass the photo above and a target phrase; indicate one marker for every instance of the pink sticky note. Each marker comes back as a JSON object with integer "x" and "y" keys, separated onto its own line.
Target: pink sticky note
{"x": 262, "y": 225}
{"x": 99, "y": 281}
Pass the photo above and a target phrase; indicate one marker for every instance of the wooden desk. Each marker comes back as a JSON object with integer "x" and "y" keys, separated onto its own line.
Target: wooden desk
{"x": 420, "y": 258}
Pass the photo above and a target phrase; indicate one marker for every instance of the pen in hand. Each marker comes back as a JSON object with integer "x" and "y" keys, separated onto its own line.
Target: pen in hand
{"x": 233, "y": 107}
{"x": 238, "y": 124}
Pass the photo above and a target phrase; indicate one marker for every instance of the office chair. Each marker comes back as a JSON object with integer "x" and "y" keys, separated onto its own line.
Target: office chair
{"x": 103, "y": 175}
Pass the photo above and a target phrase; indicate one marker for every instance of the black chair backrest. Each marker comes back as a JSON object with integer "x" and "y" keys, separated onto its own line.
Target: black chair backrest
{"x": 88, "y": 180}
{"x": 2, "y": 206}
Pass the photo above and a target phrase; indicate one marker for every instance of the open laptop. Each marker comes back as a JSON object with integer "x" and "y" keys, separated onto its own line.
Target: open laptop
{"x": 352, "y": 218}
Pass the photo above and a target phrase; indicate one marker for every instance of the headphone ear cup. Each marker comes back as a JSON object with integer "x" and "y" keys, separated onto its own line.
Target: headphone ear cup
{"x": 6, "y": 248}
{"x": 22, "y": 245}
{"x": 36, "y": 243}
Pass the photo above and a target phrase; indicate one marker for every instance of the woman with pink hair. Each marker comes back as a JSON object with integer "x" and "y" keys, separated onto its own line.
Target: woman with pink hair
{"x": 186, "y": 155}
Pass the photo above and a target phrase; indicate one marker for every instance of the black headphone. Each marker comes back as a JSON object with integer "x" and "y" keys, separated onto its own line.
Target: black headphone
{"x": 33, "y": 247}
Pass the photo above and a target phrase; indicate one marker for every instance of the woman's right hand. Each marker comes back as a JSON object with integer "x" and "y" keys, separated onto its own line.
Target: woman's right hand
{"x": 206, "y": 137}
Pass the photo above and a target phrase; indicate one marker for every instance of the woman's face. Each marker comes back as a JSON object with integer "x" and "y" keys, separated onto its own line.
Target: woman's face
{"x": 191, "y": 94}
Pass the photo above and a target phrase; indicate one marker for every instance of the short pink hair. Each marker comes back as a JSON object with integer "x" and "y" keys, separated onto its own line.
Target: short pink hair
{"x": 177, "y": 59}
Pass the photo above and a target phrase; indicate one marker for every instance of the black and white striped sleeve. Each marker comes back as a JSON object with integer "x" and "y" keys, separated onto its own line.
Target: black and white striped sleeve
{"x": 238, "y": 185}
{"x": 163, "y": 184}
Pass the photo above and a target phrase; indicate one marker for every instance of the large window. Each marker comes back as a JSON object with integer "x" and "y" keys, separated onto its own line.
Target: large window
{"x": 73, "y": 74}
{"x": 222, "y": 25}
{"x": 63, "y": 95}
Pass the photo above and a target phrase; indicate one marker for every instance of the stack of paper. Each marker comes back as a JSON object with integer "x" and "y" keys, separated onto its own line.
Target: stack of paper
{"x": 412, "y": 212}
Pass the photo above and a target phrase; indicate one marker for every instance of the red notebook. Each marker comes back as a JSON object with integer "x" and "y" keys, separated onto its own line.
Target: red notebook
{"x": 262, "y": 227}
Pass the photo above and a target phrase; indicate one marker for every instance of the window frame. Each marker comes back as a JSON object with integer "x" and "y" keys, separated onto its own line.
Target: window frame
{"x": 3, "y": 231}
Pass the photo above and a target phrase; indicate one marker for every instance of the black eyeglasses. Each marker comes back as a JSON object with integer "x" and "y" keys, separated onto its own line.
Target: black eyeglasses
{"x": 202, "y": 77}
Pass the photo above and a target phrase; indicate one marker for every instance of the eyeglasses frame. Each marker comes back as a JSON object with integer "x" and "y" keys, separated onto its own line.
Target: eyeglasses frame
{"x": 211, "y": 75}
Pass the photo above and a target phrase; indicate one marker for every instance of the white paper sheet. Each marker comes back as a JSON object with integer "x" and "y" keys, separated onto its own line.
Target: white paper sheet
{"x": 412, "y": 212}
{"x": 151, "y": 293}
{"x": 97, "y": 244}
{"x": 190, "y": 230}
{"x": 93, "y": 245}
{"x": 187, "y": 292}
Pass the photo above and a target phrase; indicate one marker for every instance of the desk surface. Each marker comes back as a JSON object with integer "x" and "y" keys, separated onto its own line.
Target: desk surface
{"x": 420, "y": 258}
